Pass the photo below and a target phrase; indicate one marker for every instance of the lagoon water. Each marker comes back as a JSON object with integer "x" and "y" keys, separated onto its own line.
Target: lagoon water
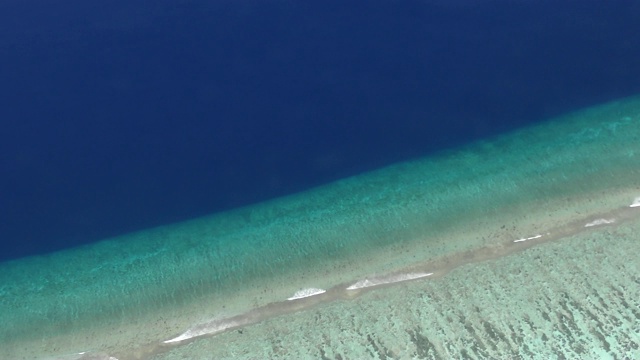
{"x": 521, "y": 245}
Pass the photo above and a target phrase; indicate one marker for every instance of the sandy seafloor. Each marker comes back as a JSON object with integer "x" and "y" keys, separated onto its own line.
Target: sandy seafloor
{"x": 578, "y": 298}
{"x": 523, "y": 246}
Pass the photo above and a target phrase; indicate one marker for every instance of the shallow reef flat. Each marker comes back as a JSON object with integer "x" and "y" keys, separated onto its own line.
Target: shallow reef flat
{"x": 517, "y": 245}
{"x": 578, "y": 298}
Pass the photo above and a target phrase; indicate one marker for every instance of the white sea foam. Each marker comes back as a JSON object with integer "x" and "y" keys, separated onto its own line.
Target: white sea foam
{"x": 83, "y": 355}
{"x": 600, "y": 222}
{"x": 528, "y": 238}
{"x": 304, "y": 293}
{"x": 208, "y": 328}
{"x": 365, "y": 283}
{"x": 636, "y": 202}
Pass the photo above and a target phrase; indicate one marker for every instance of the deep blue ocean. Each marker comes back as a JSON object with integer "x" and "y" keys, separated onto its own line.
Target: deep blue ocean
{"x": 121, "y": 115}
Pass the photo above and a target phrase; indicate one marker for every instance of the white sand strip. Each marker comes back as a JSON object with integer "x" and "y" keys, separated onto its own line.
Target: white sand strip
{"x": 305, "y": 293}
{"x": 366, "y": 283}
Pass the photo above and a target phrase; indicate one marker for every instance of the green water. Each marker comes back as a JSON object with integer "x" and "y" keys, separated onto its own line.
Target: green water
{"x": 575, "y": 299}
{"x": 450, "y": 203}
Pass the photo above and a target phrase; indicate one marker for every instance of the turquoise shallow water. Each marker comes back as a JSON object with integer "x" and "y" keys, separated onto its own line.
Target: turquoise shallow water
{"x": 435, "y": 211}
{"x": 578, "y": 298}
